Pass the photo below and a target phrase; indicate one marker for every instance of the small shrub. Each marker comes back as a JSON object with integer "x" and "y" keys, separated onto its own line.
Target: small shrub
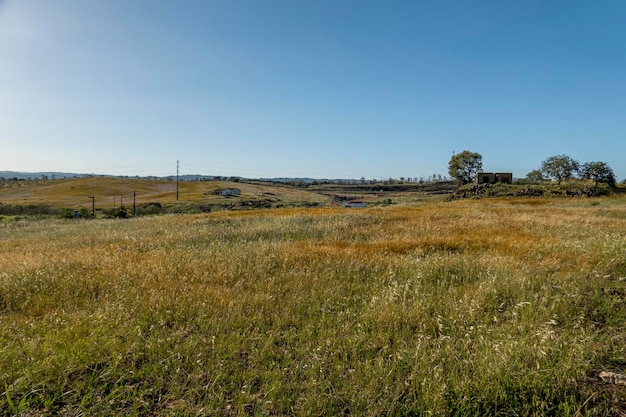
{"x": 116, "y": 212}
{"x": 151, "y": 208}
{"x": 67, "y": 213}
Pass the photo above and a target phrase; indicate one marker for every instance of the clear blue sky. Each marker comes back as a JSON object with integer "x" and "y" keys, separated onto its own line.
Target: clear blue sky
{"x": 311, "y": 88}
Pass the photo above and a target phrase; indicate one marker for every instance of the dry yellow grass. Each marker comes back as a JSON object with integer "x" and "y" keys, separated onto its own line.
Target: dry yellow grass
{"x": 108, "y": 191}
{"x": 468, "y": 307}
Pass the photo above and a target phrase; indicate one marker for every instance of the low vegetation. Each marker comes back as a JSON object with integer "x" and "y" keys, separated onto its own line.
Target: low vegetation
{"x": 570, "y": 188}
{"x": 509, "y": 306}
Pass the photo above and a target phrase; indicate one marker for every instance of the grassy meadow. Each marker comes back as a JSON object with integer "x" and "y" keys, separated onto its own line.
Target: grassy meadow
{"x": 507, "y": 307}
{"x": 110, "y": 192}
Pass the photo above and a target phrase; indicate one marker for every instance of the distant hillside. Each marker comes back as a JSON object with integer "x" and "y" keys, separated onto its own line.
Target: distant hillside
{"x": 51, "y": 175}
{"x": 43, "y": 174}
{"x": 186, "y": 177}
{"x": 112, "y": 191}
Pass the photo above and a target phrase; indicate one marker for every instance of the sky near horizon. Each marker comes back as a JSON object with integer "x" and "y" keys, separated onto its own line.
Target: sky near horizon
{"x": 309, "y": 88}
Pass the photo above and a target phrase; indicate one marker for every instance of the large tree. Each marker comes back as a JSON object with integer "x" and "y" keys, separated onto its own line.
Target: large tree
{"x": 465, "y": 165}
{"x": 560, "y": 167}
{"x": 598, "y": 171}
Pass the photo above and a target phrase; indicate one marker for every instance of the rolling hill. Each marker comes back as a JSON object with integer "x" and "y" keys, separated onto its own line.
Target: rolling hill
{"x": 114, "y": 191}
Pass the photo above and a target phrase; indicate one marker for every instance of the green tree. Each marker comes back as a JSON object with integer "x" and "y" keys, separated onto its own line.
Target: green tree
{"x": 465, "y": 165}
{"x": 559, "y": 167}
{"x": 535, "y": 175}
{"x": 599, "y": 172}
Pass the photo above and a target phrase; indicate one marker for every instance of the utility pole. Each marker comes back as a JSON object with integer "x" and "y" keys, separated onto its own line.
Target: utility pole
{"x": 177, "y": 170}
{"x": 134, "y": 205}
{"x": 93, "y": 206}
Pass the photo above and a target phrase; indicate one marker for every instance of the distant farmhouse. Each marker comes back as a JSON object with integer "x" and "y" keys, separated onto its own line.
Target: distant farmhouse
{"x": 494, "y": 177}
{"x": 227, "y": 192}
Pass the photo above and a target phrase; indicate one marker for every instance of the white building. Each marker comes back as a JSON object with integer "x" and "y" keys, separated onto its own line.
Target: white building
{"x": 227, "y": 192}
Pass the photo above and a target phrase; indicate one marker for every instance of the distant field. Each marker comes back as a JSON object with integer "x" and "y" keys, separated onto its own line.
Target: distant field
{"x": 475, "y": 307}
{"x": 114, "y": 192}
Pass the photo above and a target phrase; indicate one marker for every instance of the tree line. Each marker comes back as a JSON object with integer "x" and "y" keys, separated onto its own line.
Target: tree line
{"x": 465, "y": 165}
{"x": 563, "y": 167}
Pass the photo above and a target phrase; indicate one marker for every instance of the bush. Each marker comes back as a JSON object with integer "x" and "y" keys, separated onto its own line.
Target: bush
{"x": 151, "y": 208}
{"x": 31, "y": 209}
{"x": 70, "y": 213}
{"x": 84, "y": 213}
{"x": 116, "y": 212}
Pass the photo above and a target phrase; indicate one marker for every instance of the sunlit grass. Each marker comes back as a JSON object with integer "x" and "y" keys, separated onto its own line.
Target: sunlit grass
{"x": 112, "y": 192}
{"x": 490, "y": 307}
